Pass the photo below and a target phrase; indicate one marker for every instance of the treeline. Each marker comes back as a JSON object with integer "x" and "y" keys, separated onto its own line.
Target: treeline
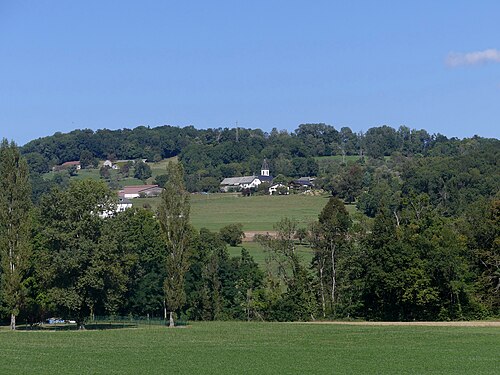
{"x": 226, "y": 152}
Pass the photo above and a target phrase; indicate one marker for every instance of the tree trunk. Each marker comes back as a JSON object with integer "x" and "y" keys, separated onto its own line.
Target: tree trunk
{"x": 334, "y": 279}
{"x": 171, "y": 320}
{"x": 12, "y": 322}
{"x": 322, "y": 287}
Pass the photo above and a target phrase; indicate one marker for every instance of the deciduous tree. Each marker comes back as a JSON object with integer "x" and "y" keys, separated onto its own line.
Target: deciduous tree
{"x": 15, "y": 206}
{"x": 173, "y": 214}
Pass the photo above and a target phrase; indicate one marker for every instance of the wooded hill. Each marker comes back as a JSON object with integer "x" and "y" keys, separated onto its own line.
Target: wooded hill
{"x": 424, "y": 244}
{"x": 354, "y": 166}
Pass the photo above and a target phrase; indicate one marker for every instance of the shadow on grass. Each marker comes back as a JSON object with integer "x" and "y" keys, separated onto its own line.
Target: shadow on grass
{"x": 73, "y": 327}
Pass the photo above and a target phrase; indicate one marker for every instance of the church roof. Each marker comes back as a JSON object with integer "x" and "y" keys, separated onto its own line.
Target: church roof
{"x": 266, "y": 178}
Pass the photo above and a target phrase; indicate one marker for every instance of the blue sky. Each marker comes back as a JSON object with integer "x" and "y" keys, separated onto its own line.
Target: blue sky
{"x": 264, "y": 64}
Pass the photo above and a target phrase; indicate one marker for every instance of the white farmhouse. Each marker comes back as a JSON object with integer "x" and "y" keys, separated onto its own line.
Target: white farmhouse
{"x": 239, "y": 183}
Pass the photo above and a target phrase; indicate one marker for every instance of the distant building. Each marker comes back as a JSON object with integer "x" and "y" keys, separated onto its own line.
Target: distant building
{"x": 136, "y": 191}
{"x": 122, "y": 205}
{"x": 279, "y": 189}
{"x": 239, "y": 183}
{"x": 264, "y": 173}
{"x": 110, "y": 164}
{"x": 303, "y": 182}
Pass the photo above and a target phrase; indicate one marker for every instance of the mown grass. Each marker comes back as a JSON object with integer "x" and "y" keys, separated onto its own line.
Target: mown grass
{"x": 259, "y": 255}
{"x": 254, "y": 348}
{"x": 256, "y": 213}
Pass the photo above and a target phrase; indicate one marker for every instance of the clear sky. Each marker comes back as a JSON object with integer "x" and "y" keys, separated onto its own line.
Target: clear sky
{"x": 264, "y": 64}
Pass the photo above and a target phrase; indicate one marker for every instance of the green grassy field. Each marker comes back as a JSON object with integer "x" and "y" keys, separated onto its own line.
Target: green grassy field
{"x": 259, "y": 256}
{"x": 256, "y": 213}
{"x": 157, "y": 168}
{"x": 254, "y": 348}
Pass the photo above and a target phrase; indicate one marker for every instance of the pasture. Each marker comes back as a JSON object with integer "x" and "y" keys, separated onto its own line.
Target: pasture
{"x": 259, "y": 255}
{"x": 256, "y": 213}
{"x": 254, "y": 348}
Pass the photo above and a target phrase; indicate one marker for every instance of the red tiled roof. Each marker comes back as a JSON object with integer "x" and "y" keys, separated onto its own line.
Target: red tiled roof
{"x": 68, "y": 163}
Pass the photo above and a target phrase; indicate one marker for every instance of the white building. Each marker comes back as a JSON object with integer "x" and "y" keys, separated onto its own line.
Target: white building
{"x": 239, "y": 183}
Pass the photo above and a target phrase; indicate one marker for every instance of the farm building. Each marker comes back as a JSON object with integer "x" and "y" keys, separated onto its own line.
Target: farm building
{"x": 136, "y": 191}
{"x": 110, "y": 164}
{"x": 302, "y": 183}
{"x": 67, "y": 165}
{"x": 239, "y": 183}
{"x": 122, "y": 205}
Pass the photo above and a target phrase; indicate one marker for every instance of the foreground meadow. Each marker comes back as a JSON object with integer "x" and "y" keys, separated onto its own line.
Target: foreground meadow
{"x": 255, "y": 348}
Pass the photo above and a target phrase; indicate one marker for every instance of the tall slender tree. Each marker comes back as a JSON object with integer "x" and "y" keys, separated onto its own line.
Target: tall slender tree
{"x": 15, "y": 206}
{"x": 173, "y": 214}
{"x": 328, "y": 236}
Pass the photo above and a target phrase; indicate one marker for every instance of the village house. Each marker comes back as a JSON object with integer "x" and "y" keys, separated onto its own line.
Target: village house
{"x": 122, "y": 205}
{"x": 302, "y": 183}
{"x": 279, "y": 189}
{"x": 110, "y": 164}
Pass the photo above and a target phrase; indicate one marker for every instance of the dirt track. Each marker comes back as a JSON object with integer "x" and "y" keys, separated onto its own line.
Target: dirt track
{"x": 430, "y": 324}
{"x": 250, "y": 235}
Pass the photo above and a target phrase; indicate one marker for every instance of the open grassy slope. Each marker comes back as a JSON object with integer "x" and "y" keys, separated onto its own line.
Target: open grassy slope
{"x": 256, "y": 213}
{"x": 259, "y": 255}
{"x": 254, "y": 348}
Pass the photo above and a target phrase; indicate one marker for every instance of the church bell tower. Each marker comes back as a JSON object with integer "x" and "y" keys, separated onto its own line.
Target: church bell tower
{"x": 264, "y": 170}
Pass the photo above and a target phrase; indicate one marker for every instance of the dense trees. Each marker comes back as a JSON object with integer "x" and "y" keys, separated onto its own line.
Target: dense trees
{"x": 232, "y": 234}
{"x": 423, "y": 243}
{"x": 77, "y": 253}
{"x": 15, "y": 226}
{"x": 209, "y": 155}
{"x": 142, "y": 171}
{"x": 328, "y": 239}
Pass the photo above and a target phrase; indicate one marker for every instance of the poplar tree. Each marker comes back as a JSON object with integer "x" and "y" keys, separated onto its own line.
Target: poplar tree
{"x": 328, "y": 236}
{"x": 173, "y": 215}
{"x": 15, "y": 206}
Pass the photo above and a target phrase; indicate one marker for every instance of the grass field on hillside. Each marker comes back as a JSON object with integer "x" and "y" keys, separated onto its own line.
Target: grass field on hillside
{"x": 258, "y": 254}
{"x": 257, "y": 213}
{"x": 157, "y": 168}
{"x": 254, "y": 348}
